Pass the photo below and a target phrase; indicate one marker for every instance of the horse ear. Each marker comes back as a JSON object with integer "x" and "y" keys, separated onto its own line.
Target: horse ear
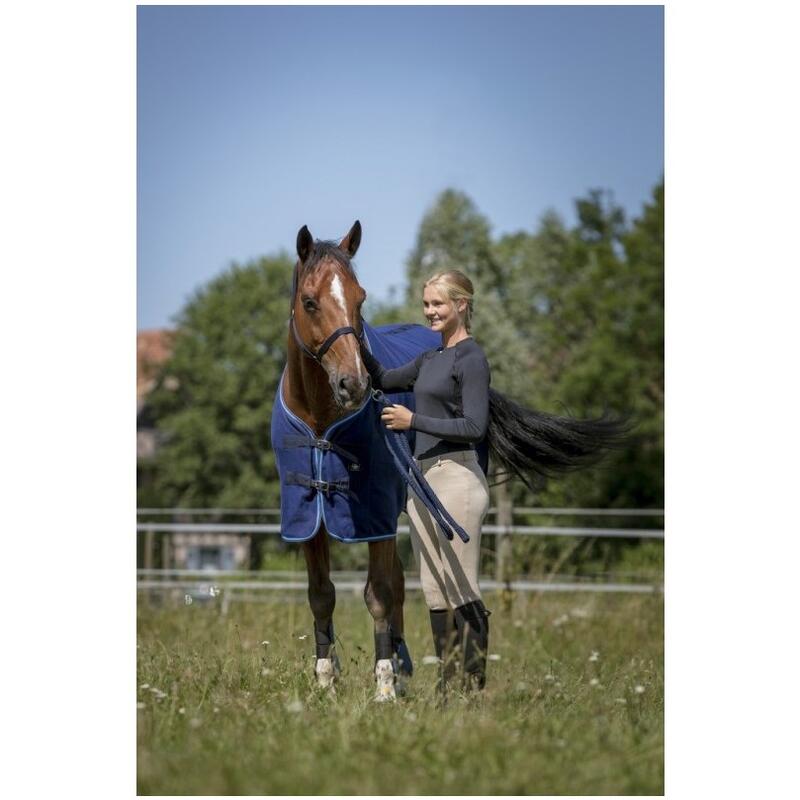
{"x": 305, "y": 244}
{"x": 351, "y": 242}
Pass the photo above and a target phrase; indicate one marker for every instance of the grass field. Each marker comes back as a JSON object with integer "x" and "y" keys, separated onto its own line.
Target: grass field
{"x": 574, "y": 703}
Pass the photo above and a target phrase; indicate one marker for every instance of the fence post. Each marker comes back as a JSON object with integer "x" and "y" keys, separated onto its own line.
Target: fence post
{"x": 502, "y": 569}
{"x": 148, "y": 549}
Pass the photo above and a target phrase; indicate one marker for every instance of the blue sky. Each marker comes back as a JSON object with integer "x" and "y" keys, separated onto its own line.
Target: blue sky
{"x": 253, "y": 121}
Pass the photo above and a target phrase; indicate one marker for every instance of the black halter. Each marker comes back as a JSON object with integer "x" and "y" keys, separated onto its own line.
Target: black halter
{"x": 328, "y": 342}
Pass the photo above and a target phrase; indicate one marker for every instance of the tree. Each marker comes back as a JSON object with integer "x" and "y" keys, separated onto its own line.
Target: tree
{"x": 214, "y": 398}
{"x": 453, "y": 234}
{"x": 600, "y": 344}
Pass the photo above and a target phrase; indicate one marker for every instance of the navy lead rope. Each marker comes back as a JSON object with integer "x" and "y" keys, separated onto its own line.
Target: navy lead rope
{"x": 409, "y": 469}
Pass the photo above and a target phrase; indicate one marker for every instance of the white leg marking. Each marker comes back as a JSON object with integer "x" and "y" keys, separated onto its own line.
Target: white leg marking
{"x": 384, "y": 678}
{"x": 325, "y": 671}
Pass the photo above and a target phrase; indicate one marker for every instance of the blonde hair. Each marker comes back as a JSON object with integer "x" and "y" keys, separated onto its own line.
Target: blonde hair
{"x": 454, "y": 285}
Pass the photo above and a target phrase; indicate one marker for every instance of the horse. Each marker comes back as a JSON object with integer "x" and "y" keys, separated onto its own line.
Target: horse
{"x": 339, "y": 480}
{"x": 324, "y": 388}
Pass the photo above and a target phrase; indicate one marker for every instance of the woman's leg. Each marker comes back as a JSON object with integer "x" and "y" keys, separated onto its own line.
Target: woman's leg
{"x": 464, "y": 491}
{"x": 425, "y": 543}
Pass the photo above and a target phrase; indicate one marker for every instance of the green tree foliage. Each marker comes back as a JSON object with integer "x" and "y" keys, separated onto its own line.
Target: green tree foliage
{"x": 571, "y": 319}
{"x": 453, "y": 234}
{"x": 597, "y": 331}
{"x": 214, "y": 398}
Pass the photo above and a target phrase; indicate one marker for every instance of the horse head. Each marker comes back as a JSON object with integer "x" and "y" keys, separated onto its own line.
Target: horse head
{"x": 326, "y": 313}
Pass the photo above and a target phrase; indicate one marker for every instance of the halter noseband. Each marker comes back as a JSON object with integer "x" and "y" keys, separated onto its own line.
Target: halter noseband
{"x": 327, "y": 343}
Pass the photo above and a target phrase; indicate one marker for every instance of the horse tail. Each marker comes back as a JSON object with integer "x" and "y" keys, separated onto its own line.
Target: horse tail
{"x": 533, "y": 443}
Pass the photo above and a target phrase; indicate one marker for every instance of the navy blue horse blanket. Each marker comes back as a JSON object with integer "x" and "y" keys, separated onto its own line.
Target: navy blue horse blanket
{"x": 346, "y": 479}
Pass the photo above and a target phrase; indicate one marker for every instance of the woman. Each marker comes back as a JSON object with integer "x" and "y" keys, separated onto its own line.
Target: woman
{"x": 451, "y": 394}
{"x": 456, "y": 409}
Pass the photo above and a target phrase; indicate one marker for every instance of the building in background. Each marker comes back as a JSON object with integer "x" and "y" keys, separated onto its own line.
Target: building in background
{"x": 153, "y": 348}
{"x": 176, "y": 550}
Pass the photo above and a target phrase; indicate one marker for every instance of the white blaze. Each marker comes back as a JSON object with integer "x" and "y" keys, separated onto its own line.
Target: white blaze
{"x": 337, "y": 290}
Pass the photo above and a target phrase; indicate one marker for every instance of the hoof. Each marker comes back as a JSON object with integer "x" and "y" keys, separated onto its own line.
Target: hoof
{"x": 384, "y": 679}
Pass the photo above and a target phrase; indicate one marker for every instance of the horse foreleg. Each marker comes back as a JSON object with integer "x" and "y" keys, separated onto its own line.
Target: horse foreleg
{"x": 379, "y": 600}
{"x": 322, "y": 599}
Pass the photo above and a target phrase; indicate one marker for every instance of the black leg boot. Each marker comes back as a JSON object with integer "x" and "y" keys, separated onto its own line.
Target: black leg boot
{"x": 444, "y": 636}
{"x": 472, "y": 623}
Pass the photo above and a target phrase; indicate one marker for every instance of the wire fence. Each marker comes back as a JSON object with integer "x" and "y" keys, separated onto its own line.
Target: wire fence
{"x": 253, "y": 584}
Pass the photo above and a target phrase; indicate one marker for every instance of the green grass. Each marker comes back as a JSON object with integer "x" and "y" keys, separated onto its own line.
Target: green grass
{"x": 235, "y": 716}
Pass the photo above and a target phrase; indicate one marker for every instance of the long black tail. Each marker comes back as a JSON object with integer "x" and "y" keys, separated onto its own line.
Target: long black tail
{"x": 535, "y": 444}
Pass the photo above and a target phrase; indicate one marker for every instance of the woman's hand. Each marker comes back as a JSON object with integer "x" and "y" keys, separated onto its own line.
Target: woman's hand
{"x": 396, "y": 417}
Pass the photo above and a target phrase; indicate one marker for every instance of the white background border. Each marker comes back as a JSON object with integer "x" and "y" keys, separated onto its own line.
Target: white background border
{"x": 68, "y": 334}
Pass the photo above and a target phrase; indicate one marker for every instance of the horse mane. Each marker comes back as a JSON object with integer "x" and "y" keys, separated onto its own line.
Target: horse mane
{"x": 323, "y": 250}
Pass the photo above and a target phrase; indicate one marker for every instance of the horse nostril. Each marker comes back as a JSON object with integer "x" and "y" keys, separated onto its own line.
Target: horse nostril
{"x": 350, "y": 386}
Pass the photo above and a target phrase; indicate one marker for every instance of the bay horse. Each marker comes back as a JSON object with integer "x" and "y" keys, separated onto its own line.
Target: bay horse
{"x": 324, "y": 381}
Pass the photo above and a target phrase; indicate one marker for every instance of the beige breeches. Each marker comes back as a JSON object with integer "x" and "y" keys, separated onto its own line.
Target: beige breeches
{"x": 449, "y": 569}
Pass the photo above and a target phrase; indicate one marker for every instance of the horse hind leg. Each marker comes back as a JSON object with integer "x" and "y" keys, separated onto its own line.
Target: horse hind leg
{"x": 322, "y": 599}
{"x": 404, "y": 667}
{"x": 379, "y": 599}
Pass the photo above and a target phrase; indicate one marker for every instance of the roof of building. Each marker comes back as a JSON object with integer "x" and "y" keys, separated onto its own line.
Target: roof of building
{"x": 153, "y": 348}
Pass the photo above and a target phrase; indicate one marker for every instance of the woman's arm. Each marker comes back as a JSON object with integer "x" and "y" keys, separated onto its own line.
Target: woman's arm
{"x": 474, "y": 378}
{"x": 391, "y": 380}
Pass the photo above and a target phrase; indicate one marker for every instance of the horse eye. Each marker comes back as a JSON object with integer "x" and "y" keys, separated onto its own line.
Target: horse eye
{"x": 309, "y": 305}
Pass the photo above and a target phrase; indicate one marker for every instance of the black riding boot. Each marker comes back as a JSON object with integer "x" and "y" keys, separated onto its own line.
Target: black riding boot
{"x": 472, "y": 623}
{"x": 444, "y": 635}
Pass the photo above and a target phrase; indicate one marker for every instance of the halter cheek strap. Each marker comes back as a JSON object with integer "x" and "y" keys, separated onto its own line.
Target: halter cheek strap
{"x": 326, "y": 344}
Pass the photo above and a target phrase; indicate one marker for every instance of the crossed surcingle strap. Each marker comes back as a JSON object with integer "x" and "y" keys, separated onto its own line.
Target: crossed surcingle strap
{"x": 321, "y": 486}
{"x": 296, "y": 440}
{"x": 299, "y": 479}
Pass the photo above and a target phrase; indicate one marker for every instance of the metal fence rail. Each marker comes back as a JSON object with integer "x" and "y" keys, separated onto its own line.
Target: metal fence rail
{"x": 240, "y": 585}
{"x": 572, "y": 512}
{"x": 412, "y": 584}
{"x": 512, "y": 530}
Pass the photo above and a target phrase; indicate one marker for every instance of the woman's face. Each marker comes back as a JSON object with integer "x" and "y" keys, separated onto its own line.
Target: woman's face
{"x": 442, "y": 315}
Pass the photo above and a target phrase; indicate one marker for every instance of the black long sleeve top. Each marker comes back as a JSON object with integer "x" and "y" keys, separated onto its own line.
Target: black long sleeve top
{"x": 451, "y": 394}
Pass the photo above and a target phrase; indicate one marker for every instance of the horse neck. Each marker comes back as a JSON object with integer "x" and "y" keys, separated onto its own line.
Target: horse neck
{"x": 307, "y": 392}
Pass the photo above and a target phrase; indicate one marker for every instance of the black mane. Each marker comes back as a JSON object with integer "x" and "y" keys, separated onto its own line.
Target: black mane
{"x": 323, "y": 250}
